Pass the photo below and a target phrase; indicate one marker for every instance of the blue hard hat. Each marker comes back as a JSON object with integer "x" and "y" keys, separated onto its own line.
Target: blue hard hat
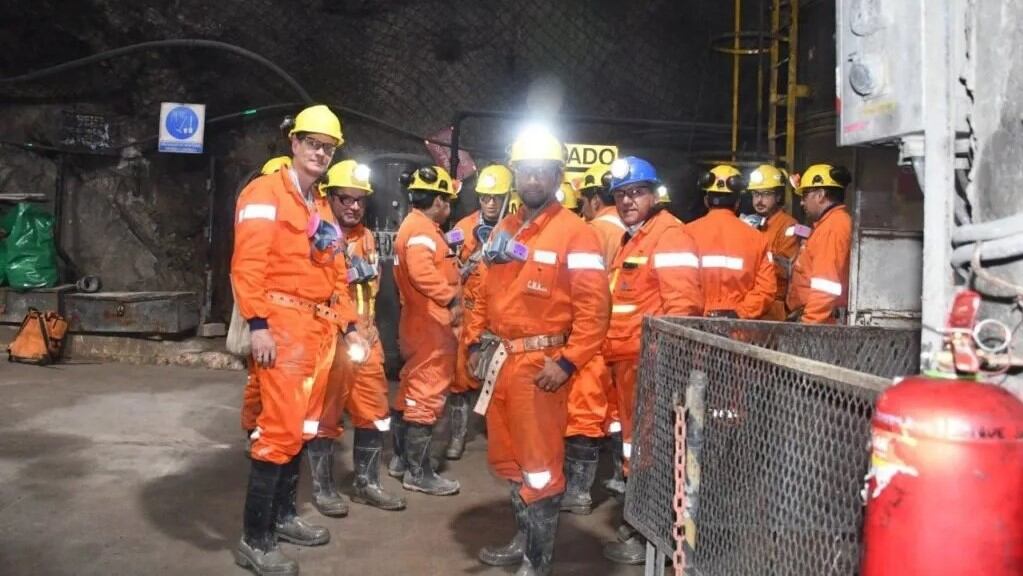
{"x": 630, "y": 170}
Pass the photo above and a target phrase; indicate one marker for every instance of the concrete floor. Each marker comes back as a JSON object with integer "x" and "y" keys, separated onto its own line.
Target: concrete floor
{"x": 119, "y": 469}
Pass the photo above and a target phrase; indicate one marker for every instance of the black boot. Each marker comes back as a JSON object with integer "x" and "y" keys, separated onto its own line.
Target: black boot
{"x": 631, "y": 551}
{"x": 289, "y": 527}
{"x": 511, "y": 553}
{"x": 326, "y": 499}
{"x": 541, "y": 528}
{"x": 581, "y": 456}
{"x": 366, "y": 486}
{"x": 616, "y": 484}
{"x": 396, "y": 467}
{"x": 420, "y": 475}
{"x": 258, "y": 549}
{"x": 458, "y": 414}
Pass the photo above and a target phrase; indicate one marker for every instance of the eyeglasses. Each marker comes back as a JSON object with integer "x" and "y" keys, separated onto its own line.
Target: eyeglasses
{"x": 313, "y": 144}
{"x": 348, "y": 201}
{"x": 632, "y": 193}
{"x": 486, "y": 198}
{"x": 539, "y": 172}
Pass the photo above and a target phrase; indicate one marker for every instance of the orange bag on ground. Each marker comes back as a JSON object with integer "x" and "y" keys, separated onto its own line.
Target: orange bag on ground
{"x": 40, "y": 340}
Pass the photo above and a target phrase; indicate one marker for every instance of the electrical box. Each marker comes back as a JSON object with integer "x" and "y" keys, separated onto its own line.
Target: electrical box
{"x": 880, "y": 70}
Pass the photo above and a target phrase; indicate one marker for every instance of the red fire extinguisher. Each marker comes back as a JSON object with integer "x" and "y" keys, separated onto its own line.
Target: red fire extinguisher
{"x": 945, "y": 488}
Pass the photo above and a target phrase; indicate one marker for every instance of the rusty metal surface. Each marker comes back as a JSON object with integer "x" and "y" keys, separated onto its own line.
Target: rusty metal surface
{"x": 14, "y": 304}
{"x": 133, "y": 312}
{"x": 784, "y": 447}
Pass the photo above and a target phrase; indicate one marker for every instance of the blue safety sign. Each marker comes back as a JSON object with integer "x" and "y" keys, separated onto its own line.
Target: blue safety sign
{"x": 182, "y": 127}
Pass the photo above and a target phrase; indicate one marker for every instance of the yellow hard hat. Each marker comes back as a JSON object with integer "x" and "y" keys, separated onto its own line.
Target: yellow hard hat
{"x": 514, "y": 203}
{"x": 566, "y": 195}
{"x": 766, "y": 177}
{"x": 821, "y": 176}
{"x": 318, "y": 120}
{"x": 537, "y": 143}
{"x": 348, "y": 174}
{"x": 594, "y": 177}
{"x": 495, "y": 180}
{"x": 274, "y": 164}
{"x": 722, "y": 179}
{"x": 431, "y": 179}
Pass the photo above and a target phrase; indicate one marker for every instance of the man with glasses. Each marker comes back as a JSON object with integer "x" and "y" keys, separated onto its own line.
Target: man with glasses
{"x": 357, "y": 382}
{"x": 736, "y": 272}
{"x": 767, "y": 191}
{"x": 656, "y": 273}
{"x": 493, "y": 184}
{"x": 426, "y": 273}
{"x": 820, "y": 277}
{"x": 542, "y": 314}
{"x": 289, "y": 282}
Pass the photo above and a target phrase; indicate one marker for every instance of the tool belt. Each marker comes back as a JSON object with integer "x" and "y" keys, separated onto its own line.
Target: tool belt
{"x": 318, "y": 309}
{"x": 494, "y": 351}
{"x": 723, "y": 314}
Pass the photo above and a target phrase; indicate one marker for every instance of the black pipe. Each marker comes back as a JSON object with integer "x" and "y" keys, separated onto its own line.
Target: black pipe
{"x": 179, "y": 43}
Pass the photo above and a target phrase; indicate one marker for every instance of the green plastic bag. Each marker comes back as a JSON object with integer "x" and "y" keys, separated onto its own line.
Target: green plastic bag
{"x": 31, "y": 251}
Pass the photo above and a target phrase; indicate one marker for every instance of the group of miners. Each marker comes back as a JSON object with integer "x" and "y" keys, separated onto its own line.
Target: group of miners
{"x": 528, "y": 312}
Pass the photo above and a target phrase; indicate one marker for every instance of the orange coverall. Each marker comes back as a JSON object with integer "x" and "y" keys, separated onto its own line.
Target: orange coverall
{"x": 561, "y": 290}
{"x": 783, "y": 245}
{"x": 656, "y": 273}
{"x": 736, "y": 272}
{"x": 820, "y": 277}
{"x": 427, "y": 279}
{"x": 361, "y": 389}
{"x": 272, "y": 254}
{"x": 472, "y": 285}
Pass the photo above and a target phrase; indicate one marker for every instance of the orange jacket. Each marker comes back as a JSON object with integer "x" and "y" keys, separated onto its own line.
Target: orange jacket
{"x": 424, "y": 270}
{"x": 820, "y": 277}
{"x": 561, "y": 289}
{"x": 610, "y": 230}
{"x": 272, "y": 251}
{"x": 736, "y": 272}
{"x": 360, "y": 243}
{"x": 783, "y": 245}
{"x": 656, "y": 273}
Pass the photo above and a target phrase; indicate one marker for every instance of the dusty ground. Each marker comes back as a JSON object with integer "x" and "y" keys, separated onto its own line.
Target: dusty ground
{"x": 120, "y": 469}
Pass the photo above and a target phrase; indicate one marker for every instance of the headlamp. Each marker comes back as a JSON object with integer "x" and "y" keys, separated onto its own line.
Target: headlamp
{"x": 620, "y": 168}
{"x": 361, "y": 173}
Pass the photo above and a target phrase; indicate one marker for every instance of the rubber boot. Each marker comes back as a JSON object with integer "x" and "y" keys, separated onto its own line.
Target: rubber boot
{"x": 581, "y": 457}
{"x": 326, "y": 499}
{"x": 396, "y": 467}
{"x": 616, "y": 483}
{"x": 458, "y": 418}
{"x": 631, "y": 551}
{"x": 511, "y": 553}
{"x": 420, "y": 475}
{"x": 541, "y": 528}
{"x": 366, "y": 486}
{"x": 289, "y": 527}
{"x": 258, "y": 550}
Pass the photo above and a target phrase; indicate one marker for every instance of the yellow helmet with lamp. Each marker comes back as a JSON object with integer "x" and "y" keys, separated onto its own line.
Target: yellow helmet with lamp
{"x": 766, "y": 177}
{"x": 431, "y": 179}
{"x": 821, "y": 176}
{"x": 536, "y": 143}
{"x": 349, "y": 174}
{"x": 494, "y": 180}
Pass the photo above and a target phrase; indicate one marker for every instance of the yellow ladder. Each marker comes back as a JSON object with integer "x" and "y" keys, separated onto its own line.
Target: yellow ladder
{"x": 784, "y": 60}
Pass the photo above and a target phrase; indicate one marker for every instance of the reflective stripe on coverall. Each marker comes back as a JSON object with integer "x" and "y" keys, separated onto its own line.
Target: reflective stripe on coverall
{"x": 472, "y": 285}
{"x": 359, "y": 389}
{"x": 736, "y": 272}
{"x": 820, "y": 277}
{"x": 656, "y": 273}
{"x": 783, "y": 248}
{"x": 427, "y": 280}
{"x": 561, "y": 289}
{"x": 272, "y": 253}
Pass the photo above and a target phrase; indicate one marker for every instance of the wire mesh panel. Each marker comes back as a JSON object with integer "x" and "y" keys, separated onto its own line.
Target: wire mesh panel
{"x": 784, "y": 446}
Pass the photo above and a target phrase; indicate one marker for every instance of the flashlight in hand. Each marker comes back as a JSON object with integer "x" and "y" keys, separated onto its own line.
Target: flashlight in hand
{"x": 358, "y": 353}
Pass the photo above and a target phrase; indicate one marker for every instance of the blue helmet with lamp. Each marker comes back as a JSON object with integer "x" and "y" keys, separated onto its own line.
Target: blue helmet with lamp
{"x": 632, "y": 170}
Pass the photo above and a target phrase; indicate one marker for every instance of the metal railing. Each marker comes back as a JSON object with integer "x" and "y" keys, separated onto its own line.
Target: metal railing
{"x": 784, "y": 444}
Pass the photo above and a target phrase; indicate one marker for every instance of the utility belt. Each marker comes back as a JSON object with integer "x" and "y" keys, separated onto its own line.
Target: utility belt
{"x": 494, "y": 350}
{"x": 318, "y": 309}
{"x": 723, "y": 314}
{"x": 839, "y": 314}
